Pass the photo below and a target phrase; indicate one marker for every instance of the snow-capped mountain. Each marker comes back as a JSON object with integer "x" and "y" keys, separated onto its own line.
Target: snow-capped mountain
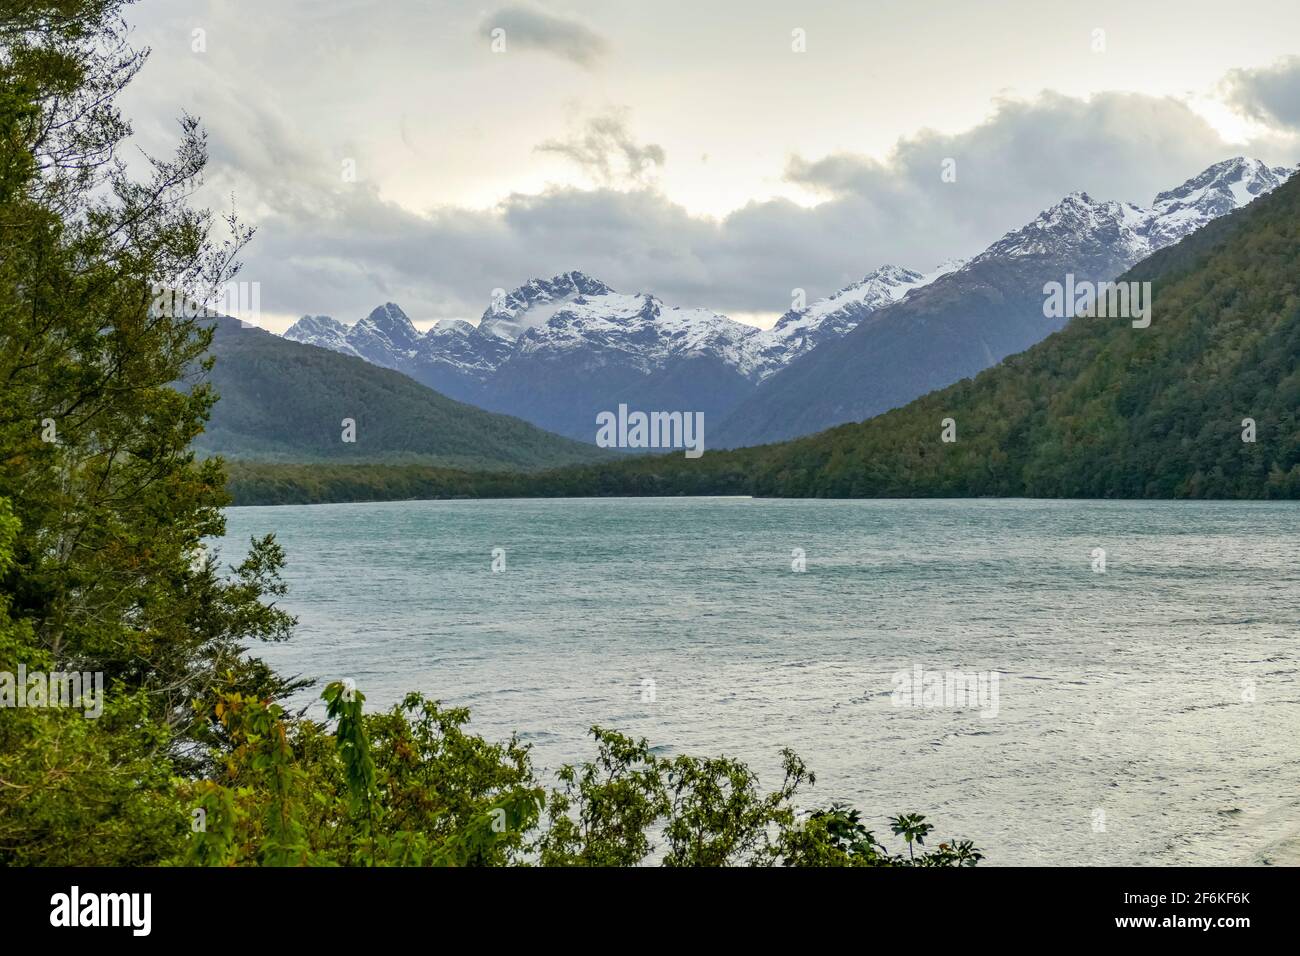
{"x": 321, "y": 331}
{"x": 1134, "y": 232}
{"x": 385, "y": 337}
{"x": 643, "y": 329}
{"x": 457, "y": 343}
{"x": 575, "y": 314}
{"x": 1216, "y": 192}
{"x": 801, "y": 330}
{"x": 556, "y": 351}
{"x": 584, "y": 348}
{"x": 972, "y": 317}
{"x": 531, "y": 305}
{"x": 1078, "y": 224}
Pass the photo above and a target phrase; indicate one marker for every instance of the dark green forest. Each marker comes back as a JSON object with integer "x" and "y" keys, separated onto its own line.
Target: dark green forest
{"x": 1097, "y": 410}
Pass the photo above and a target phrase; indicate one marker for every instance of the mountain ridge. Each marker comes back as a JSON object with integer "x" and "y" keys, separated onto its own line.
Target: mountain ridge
{"x": 1204, "y": 403}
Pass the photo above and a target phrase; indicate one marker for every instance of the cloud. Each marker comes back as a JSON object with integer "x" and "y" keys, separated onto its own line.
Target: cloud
{"x": 1025, "y": 156}
{"x": 1268, "y": 94}
{"x": 327, "y": 246}
{"x": 607, "y": 150}
{"x": 527, "y": 28}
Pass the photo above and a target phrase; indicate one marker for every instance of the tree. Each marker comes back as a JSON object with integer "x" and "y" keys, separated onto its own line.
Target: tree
{"x": 106, "y": 503}
{"x": 104, "y": 508}
{"x": 95, "y": 421}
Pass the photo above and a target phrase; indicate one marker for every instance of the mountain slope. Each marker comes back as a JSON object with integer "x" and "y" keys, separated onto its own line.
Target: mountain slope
{"x": 285, "y": 401}
{"x": 972, "y": 318}
{"x": 801, "y": 330}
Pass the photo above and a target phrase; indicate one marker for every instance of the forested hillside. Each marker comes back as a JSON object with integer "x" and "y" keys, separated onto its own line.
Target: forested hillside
{"x": 284, "y": 401}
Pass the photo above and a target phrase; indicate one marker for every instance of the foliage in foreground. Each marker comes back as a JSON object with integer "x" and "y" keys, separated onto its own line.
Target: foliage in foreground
{"x": 403, "y": 787}
{"x": 409, "y": 787}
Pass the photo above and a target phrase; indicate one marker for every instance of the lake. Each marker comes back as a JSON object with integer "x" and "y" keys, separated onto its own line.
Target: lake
{"x": 970, "y": 660}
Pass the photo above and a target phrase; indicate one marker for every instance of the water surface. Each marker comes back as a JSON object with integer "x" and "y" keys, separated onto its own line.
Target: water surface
{"x": 1150, "y": 714}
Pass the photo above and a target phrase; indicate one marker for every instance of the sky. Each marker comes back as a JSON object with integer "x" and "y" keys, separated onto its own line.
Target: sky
{"x": 718, "y": 154}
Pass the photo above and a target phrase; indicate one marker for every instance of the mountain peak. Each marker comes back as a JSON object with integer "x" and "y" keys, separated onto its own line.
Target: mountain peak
{"x": 389, "y": 312}
{"x": 891, "y": 274}
{"x": 322, "y": 331}
{"x": 385, "y": 332}
{"x": 1252, "y": 172}
{"x": 533, "y": 303}
{"x": 1078, "y": 218}
{"x": 316, "y": 323}
{"x": 1080, "y": 203}
{"x": 1213, "y": 192}
{"x": 449, "y": 326}
{"x": 801, "y": 330}
{"x": 951, "y": 264}
{"x": 562, "y": 285}
{"x": 1076, "y": 222}
{"x": 581, "y": 282}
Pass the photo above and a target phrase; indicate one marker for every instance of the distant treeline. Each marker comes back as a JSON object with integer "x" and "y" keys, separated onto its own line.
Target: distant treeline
{"x": 259, "y": 483}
